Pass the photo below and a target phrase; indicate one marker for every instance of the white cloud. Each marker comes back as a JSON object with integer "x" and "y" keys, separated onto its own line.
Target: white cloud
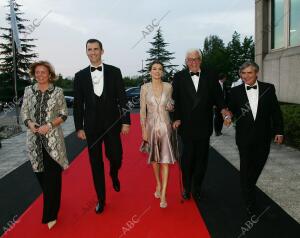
{"x": 119, "y": 24}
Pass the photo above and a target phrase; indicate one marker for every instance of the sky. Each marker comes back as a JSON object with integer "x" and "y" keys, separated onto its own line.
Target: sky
{"x": 126, "y": 27}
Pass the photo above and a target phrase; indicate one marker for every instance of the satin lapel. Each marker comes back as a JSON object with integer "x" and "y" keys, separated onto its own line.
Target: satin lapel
{"x": 262, "y": 90}
{"x": 105, "y": 81}
{"x": 189, "y": 83}
{"x": 245, "y": 105}
{"x": 199, "y": 90}
{"x": 89, "y": 82}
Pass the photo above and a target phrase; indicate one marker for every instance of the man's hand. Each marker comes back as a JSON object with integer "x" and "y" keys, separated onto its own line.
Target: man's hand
{"x": 81, "y": 135}
{"x": 176, "y": 124}
{"x": 125, "y": 129}
{"x": 278, "y": 139}
{"x": 227, "y": 122}
{"x": 227, "y": 115}
{"x": 225, "y": 112}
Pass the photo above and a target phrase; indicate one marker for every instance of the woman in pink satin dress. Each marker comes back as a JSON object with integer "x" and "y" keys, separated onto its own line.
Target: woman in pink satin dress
{"x": 155, "y": 104}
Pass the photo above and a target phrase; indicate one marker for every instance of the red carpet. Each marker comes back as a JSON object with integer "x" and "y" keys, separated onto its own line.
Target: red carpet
{"x": 134, "y": 212}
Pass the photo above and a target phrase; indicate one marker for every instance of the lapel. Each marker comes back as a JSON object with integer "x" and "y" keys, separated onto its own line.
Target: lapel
{"x": 189, "y": 83}
{"x": 87, "y": 80}
{"x": 245, "y": 105}
{"x": 105, "y": 80}
{"x": 199, "y": 90}
{"x": 262, "y": 90}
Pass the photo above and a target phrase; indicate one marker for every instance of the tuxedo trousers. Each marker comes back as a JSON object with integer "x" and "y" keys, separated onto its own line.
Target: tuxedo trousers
{"x": 50, "y": 182}
{"x": 113, "y": 152}
{"x": 253, "y": 158}
{"x": 218, "y": 120}
{"x": 194, "y": 163}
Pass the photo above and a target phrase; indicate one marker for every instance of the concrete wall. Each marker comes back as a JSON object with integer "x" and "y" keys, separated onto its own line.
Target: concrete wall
{"x": 280, "y": 67}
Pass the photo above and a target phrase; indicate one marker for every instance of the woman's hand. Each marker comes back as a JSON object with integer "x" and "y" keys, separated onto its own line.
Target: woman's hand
{"x": 144, "y": 135}
{"x": 44, "y": 129}
{"x": 33, "y": 126}
{"x": 81, "y": 135}
{"x": 170, "y": 105}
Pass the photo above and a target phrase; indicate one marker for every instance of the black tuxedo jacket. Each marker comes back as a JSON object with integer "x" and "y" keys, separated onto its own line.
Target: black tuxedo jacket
{"x": 224, "y": 93}
{"x": 113, "y": 95}
{"x": 195, "y": 109}
{"x": 268, "y": 121}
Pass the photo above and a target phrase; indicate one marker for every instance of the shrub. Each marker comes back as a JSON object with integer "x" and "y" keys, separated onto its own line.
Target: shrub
{"x": 291, "y": 118}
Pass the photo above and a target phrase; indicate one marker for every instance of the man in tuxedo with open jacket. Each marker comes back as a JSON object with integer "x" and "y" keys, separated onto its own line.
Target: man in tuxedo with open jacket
{"x": 100, "y": 114}
{"x": 258, "y": 118}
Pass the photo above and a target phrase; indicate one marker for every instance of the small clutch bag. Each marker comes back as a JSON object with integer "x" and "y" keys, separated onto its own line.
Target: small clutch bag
{"x": 145, "y": 147}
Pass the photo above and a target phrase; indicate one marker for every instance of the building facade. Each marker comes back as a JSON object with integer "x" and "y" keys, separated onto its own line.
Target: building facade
{"x": 277, "y": 49}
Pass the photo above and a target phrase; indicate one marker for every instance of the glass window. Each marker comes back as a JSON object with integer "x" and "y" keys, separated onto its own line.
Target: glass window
{"x": 136, "y": 90}
{"x": 277, "y": 38}
{"x": 295, "y": 23}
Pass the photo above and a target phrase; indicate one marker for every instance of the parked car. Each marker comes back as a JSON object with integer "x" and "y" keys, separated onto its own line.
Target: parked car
{"x": 5, "y": 104}
{"x": 69, "y": 101}
{"x": 133, "y": 96}
{"x": 1, "y": 106}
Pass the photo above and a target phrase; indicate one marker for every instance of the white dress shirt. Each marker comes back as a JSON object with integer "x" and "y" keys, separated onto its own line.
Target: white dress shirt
{"x": 195, "y": 79}
{"x": 98, "y": 80}
{"x": 253, "y": 95}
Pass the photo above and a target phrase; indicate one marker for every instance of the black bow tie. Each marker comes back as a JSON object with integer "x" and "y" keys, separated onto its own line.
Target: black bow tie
{"x": 192, "y": 74}
{"x": 250, "y": 87}
{"x": 94, "y": 68}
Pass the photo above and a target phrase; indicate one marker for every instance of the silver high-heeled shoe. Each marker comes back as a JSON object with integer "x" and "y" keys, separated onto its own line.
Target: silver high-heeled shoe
{"x": 157, "y": 194}
{"x": 163, "y": 204}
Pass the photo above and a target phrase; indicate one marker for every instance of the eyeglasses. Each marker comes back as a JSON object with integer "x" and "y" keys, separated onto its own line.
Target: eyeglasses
{"x": 192, "y": 59}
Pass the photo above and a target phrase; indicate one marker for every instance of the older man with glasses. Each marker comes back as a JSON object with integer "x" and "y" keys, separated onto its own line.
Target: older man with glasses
{"x": 195, "y": 93}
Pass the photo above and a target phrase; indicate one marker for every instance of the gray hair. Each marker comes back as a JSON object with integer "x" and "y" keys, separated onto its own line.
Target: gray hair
{"x": 249, "y": 64}
{"x": 193, "y": 51}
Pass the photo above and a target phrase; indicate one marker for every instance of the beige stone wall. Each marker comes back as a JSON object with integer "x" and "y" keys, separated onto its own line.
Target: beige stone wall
{"x": 280, "y": 67}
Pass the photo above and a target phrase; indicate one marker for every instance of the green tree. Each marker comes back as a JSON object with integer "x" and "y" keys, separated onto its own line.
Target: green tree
{"x": 234, "y": 50}
{"x": 159, "y": 52}
{"x": 64, "y": 83}
{"x": 214, "y": 55}
{"x": 248, "y": 47}
{"x": 133, "y": 81}
{"x": 238, "y": 53}
{"x": 24, "y": 58}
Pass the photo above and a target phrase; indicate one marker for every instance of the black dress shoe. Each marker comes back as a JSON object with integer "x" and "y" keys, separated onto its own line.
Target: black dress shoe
{"x": 116, "y": 184}
{"x": 197, "y": 195}
{"x": 186, "y": 195}
{"x": 99, "y": 207}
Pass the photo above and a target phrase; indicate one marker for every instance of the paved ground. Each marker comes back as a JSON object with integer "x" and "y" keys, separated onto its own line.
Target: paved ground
{"x": 13, "y": 151}
{"x": 280, "y": 179}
